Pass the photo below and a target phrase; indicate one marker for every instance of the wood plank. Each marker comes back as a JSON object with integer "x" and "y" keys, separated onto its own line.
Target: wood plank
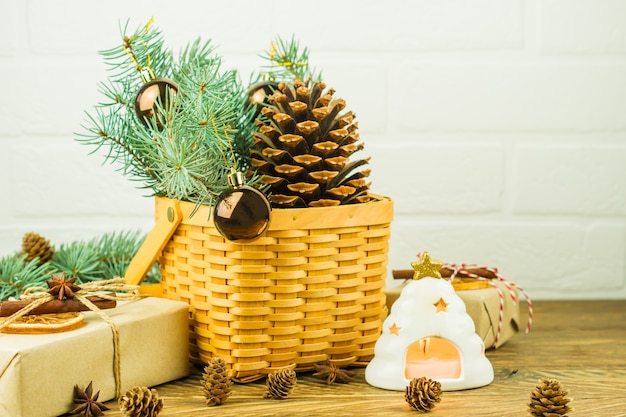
{"x": 581, "y": 343}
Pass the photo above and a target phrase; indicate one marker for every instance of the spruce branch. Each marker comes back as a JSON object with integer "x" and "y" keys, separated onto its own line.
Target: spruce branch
{"x": 194, "y": 138}
{"x": 118, "y": 246}
{"x": 17, "y": 274}
{"x": 103, "y": 257}
{"x": 77, "y": 260}
{"x": 117, "y": 250}
{"x": 107, "y": 131}
{"x": 288, "y": 60}
{"x": 141, "y": 54}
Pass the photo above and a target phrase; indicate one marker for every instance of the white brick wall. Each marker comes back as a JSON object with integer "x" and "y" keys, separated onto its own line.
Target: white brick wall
{"x": 498, "y": 126}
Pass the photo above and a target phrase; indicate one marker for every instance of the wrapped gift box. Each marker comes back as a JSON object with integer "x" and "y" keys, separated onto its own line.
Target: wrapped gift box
{"x": 38, "y": 372}
{"x": 483, "y": 306}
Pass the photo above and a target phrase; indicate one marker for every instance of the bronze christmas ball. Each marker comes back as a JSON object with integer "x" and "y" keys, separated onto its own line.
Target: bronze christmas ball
{"x": 258, "y": 94}
{"x": 242, "y": 214}
{"x": 151, "y": 96}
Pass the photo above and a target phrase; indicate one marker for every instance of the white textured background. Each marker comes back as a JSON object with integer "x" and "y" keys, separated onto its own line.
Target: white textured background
{"x": 498, "y": 126}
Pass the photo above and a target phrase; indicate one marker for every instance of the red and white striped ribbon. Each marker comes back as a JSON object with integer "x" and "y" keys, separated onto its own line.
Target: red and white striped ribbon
{"x": 463, "y": 268}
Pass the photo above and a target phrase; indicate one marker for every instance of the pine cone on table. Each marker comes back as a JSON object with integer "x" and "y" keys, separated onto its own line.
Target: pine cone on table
{"x": 216, "y": 382}
{"x": 141, "y": 402}
{"x": 36, "y": 246}
{"x": 280, "y": 384}
{"x": 423, "y": 394}
{"x": 548, "y": 399}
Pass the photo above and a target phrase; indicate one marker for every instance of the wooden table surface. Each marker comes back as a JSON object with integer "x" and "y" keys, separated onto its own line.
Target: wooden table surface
{"x": 580, "y": 343}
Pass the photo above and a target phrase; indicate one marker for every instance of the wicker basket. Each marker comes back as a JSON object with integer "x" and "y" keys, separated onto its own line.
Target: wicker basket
{"x": 311, "y": 289}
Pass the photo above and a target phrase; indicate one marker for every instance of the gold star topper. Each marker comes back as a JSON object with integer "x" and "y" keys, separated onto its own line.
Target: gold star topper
{"x": 426, "y": 267}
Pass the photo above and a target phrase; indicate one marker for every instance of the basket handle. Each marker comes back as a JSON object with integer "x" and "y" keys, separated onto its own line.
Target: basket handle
{"x": 168, "y": 217}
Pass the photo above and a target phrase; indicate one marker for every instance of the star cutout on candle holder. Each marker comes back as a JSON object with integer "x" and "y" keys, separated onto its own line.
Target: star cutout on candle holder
{"x": 394, "y": 330}
{"x": 426, "y": 267}
{"x": 441, "y": 306}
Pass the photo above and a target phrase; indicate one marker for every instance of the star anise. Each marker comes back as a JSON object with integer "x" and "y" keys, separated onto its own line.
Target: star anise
{"x": 331, "y": 373}
{"x": 61, "y": 287}
{"x": 87, "y": 402}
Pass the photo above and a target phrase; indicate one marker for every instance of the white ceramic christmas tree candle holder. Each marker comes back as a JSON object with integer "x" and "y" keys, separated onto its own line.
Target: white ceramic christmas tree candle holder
{"x": 429, "y": 334}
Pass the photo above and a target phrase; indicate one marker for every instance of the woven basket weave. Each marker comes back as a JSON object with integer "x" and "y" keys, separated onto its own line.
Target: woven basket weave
{"x": 311, "y": 289}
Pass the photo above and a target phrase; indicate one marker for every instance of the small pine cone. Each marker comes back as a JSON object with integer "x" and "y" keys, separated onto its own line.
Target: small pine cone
{"x": 36, "y": 246}
{"x": 141, "y": 402}
{"x": 216, "y": 382}
{"x": 423, "y": 394}
{"x": 548, "y": 399}
{"x": 280, "y": 384}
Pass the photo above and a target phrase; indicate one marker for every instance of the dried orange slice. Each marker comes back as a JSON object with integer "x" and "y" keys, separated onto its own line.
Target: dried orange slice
{"x": 45, "y": 323}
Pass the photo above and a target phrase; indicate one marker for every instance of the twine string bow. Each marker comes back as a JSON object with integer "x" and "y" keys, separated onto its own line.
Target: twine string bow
{"x": 112, "y": 289}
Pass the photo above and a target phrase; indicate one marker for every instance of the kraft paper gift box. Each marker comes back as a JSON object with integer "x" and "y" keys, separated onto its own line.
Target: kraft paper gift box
{"x": 483, "y": 306}
{"x": 38, "y": 372}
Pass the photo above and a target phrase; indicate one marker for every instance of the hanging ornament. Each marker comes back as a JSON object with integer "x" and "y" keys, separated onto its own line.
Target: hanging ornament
{"x": 258, "y": 95}
{"x": 154, "y": 94}
{"x": 242, "y": 213}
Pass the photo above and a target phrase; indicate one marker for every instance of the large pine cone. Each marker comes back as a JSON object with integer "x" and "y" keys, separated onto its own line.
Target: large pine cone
{"x": 141, "y": 402}
{"x": 216, "y": 382}
{"x": 280, "y": 384}
{"x": 423, "y": 394}
{"x": 548, "y": 399}
{"x": 36, "y": 246}
{"x": 303, "y": 147}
